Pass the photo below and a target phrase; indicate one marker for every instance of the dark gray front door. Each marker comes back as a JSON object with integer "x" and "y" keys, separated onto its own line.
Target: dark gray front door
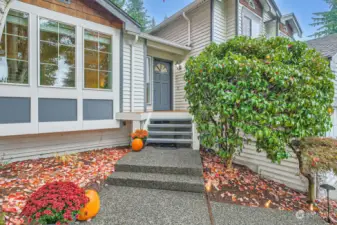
{"x": 161, "y": 86}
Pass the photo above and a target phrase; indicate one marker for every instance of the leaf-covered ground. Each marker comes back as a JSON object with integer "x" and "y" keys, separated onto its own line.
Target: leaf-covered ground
{"x": 18, "y": 180}
{"x": 244, "y": 187}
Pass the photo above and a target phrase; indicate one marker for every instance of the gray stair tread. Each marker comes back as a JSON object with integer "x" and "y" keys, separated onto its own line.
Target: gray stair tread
{"x": 154, "y": 133}
{"x": 167, "y": 140}
{"x": 171, "y": 119}
{"x": 171, "y": 125}
{"x": 158, "y": 177}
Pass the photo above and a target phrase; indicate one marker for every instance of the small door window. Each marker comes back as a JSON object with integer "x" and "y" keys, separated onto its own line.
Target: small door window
{"x": 161, "y": 68}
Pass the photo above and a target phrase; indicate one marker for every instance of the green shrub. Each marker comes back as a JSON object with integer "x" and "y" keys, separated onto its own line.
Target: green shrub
{"x": 273, "y": 89}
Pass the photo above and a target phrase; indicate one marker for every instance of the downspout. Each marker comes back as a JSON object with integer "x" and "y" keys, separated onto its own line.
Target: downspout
{"x": 188, "y": 29}
{"x": 277, "y": 27}
{"x": 237, "y": 17}
{"x": 145, "y": 70}
{"x": 132, "y": 72}
{"x": 121, "y": 67}
{"x": 212, "y": 20}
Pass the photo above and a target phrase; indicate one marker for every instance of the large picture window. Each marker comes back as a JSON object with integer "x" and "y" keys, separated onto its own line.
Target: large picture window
{"x": 57, "y": 54}
{"x": 14, "y": 49}
{"x": 97, "y": 60}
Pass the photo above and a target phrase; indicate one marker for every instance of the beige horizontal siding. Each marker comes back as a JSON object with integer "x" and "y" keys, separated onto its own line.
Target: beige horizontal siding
{"x": 219, "y": 22}
{"x": 137, "y": 68}
{"x": 287, "y": 172}
{"x": 16, "y": 148}
{"x": 231, "y": 18}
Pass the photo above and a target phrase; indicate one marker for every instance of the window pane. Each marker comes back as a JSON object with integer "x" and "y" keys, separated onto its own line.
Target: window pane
{"x": 17, "y": 23}
{"x": 148, "y": 93}
{"x": 247, "y": 27}
{"x": 2, "y": 46}
{"x": 105, "y": 80}
{"x": 17, "y": 72}
{"x": 104, "y": 43}
{"x": 48, "y": 53}
{"x": 48, "y": 74}
{"x": 105, "y": 61}
{"x": 90, "y": 40}
{"x": 17, "y": 48}
{"x": 14, "y": 49}
{"x": 67, "y": 55}
{"x": 48, "y": 30}
{"x": 67, "y": 34}
{"x": 91, "y": 59}
{"x": 57, "y": 76}
{"x": 91, "y": 78}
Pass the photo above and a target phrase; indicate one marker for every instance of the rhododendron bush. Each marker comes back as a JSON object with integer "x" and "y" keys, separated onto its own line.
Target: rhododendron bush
{"x": 57, "y": 202}
{"x": 273, "y": 89}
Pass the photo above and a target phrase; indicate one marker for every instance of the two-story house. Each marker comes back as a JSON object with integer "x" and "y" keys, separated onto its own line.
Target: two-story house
{"x": 78, "y": 75}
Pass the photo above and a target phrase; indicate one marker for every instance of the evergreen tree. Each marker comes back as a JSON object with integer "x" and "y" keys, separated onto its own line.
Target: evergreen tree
{"x": 153, "y": 23}
{"x": 135, "y": 8}
{"x": 119, "y": 3}
{"x": 326, "y": 21}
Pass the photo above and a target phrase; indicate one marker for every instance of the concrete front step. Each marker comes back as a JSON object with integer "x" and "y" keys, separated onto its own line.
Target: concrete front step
{"x": 168, "y": 141}
{"x": 170, "y": 120}
{"x": 171, "y": 182}
{"x": 178, "y": 170}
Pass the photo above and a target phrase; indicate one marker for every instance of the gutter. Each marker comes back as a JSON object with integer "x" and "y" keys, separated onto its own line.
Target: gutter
{"x": 188, "y": 29}
{"x": 160, "y": 40}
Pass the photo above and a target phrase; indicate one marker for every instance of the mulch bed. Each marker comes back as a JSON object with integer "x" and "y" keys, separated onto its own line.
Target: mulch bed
{"x": 19, "y": 179}
{"x": 244, "y": 187}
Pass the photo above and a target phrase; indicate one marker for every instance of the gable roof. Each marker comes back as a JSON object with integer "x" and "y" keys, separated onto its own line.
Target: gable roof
{"x": 327, "y": 45}
{"x": 129, "y": 23}
{"x": 293, "y": 22}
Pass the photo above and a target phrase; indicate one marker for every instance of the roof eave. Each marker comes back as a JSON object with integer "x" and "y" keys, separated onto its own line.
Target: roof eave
{"x": 291, "y": 17}
{"x": 129, "y": 23}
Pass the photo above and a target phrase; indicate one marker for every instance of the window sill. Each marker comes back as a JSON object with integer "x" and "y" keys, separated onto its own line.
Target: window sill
{"x": 14, "y": 84}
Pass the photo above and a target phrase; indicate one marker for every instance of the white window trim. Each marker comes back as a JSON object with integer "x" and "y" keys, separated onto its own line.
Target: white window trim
{"x": 39, "y": 55}
{"x": 83, "y": 61}
{"x": 251, "y": 3}
{"x": 245, "y": 8}
{"x": 29, "y": 50}
{"x": 245, "y": 12}
{"x": 150, "y": 69}
{"x": 285, "y": 27}
{"x": 34, "y": 91}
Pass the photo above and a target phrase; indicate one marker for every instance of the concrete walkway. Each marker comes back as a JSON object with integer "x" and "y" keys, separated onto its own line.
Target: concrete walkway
{"x": 165, "y": 187}
{"x": 140, "y": 206}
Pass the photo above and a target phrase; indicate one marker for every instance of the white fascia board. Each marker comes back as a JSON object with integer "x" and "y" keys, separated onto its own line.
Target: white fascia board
{"x": 129, "y": 24}
{"x": 161, "y": 41}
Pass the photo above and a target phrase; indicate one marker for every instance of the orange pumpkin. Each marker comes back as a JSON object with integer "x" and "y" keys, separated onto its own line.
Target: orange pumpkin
{"x": 91, "y": 208}
{"x": 137, "y": 144}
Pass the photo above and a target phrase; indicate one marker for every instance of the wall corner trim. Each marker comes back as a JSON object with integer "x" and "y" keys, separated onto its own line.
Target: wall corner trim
{"x": 121, "y": 98}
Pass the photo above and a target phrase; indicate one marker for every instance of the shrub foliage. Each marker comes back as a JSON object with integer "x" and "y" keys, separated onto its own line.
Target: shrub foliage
{"x": 273, "y": 89}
